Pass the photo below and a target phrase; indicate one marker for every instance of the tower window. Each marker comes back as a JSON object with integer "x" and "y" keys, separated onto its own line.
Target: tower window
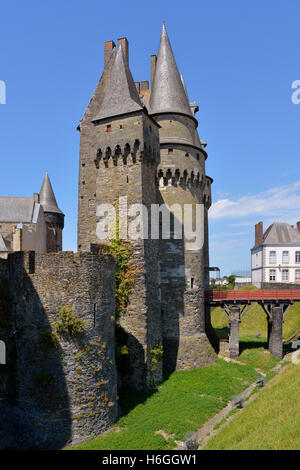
{"x": 192, "y": 283}
{"x": 187, "y": 154}
{"x": 198, "y": 156}
{"x": 170, "y": 151}
{"x": 108, "y": 128}
{"x": 121, "y": 126}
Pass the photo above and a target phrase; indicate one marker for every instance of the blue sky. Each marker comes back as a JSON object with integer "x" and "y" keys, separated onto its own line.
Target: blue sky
{"x": 238, "y": 59}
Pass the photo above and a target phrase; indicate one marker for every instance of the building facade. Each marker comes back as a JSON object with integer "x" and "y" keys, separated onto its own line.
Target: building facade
{"x": 31, "y": 223}
{"x": 275, "y": 258}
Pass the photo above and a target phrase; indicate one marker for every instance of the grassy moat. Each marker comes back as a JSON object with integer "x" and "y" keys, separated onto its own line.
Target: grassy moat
{"x": 188, "y": 399}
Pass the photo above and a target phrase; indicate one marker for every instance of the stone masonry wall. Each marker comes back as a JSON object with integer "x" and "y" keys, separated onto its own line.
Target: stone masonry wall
{"x": 128, "y": 170}
{"x": 65, "y": 385}
{"x": 6, "y": 370}
{"x": 279, "y": 285}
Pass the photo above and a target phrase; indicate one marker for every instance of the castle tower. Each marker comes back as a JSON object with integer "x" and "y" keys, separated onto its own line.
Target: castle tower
{"x": 182, "y": 181}
{"x": 119, "y": 154}
{"x": 54, "y": 217}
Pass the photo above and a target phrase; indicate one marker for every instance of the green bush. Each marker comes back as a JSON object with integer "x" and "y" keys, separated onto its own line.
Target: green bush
{"x": 69, "y": 324}
{"x": 156, "y": 355}
{"x": 49, "y": 339}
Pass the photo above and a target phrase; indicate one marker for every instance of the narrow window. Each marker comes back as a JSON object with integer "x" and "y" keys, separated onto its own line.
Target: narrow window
{"x": 297, "y": 274}
{"x": 170, "y": 151}
{"x": 297, "y": 257}
{"x": 121, "y": 126}
{"x": 94, "y": 315}
{"x": 127, "y": 179}
{"x": 198, "y": 156}
{"x": 108, "y": 128}
{"x": 272, "y": 258}
{"x": 192, "y": 283}
{"x": 285, "y": 274}
{"x": 272, "y": 275}
{"x": 285, "y": 256}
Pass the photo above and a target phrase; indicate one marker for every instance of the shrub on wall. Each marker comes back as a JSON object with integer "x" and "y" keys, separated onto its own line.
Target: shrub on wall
{"x": 68, "y": 323}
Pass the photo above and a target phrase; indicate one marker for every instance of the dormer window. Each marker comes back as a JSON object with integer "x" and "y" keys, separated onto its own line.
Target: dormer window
{"x": 108, "y": 128}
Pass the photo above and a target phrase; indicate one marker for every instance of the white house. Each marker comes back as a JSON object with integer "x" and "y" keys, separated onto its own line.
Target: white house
{"x": 276, "y": 254}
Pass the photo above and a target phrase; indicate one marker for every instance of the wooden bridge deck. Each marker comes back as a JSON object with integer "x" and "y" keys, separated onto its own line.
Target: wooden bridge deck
{"x": 218, "y": 297}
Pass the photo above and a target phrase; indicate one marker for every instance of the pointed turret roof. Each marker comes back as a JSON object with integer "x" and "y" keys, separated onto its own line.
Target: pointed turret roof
{"x": 121, "y": 96}
{"x": 47, "y": 198}
{"x": 184, "y": 86}
{"x": 168, "y": 93}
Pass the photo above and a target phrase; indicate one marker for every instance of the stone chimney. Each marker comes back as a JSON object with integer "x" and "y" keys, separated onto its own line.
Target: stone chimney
{"x": 298, "y": 226}
{"x": 108, "y": 47}
{"x": 153, "y": 67}
{"x": 144, "y": 85}
{"x": 125, "y": 48}
{"x": 258, "y": 233}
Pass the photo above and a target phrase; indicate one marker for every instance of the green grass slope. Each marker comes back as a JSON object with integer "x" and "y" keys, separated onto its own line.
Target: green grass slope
{"x": 254, "y": 322}
{"x": 184, "y": 402}
{"x": 270, "y": 422}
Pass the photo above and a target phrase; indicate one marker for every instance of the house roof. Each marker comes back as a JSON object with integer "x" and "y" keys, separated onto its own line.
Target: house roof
{"x": 16, "y": 209}
{"x": 280, "y": 233}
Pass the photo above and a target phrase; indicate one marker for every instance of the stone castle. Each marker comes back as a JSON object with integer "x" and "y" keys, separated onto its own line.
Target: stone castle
{"x": 141, "y": 144}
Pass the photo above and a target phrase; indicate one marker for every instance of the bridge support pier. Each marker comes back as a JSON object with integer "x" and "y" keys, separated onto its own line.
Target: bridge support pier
{"x": 234, "y": 313}
{"x": 234, "y": 323}
{"x": 275, "y": 314}
{"x": 275, "y": 322}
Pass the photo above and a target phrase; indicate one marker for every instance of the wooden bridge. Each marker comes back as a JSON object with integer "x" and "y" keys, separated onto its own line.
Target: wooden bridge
{"x": 218, "y": 297}
{"x": 234, "y": 303}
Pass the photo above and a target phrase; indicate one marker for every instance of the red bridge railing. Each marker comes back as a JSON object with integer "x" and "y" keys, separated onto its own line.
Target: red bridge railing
{"x": 253, "y": 295}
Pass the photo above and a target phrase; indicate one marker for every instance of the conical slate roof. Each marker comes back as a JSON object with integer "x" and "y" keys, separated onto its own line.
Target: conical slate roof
{"x": 121, "y": 96}
{"x": 184, "y": 87}
{"x": 47, "y": 198}
{"x": 168, "y": 93}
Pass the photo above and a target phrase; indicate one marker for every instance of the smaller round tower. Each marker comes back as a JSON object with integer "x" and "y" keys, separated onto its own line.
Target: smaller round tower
{"x": 54, "y": 217}
{"x": 182, "y": 183}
